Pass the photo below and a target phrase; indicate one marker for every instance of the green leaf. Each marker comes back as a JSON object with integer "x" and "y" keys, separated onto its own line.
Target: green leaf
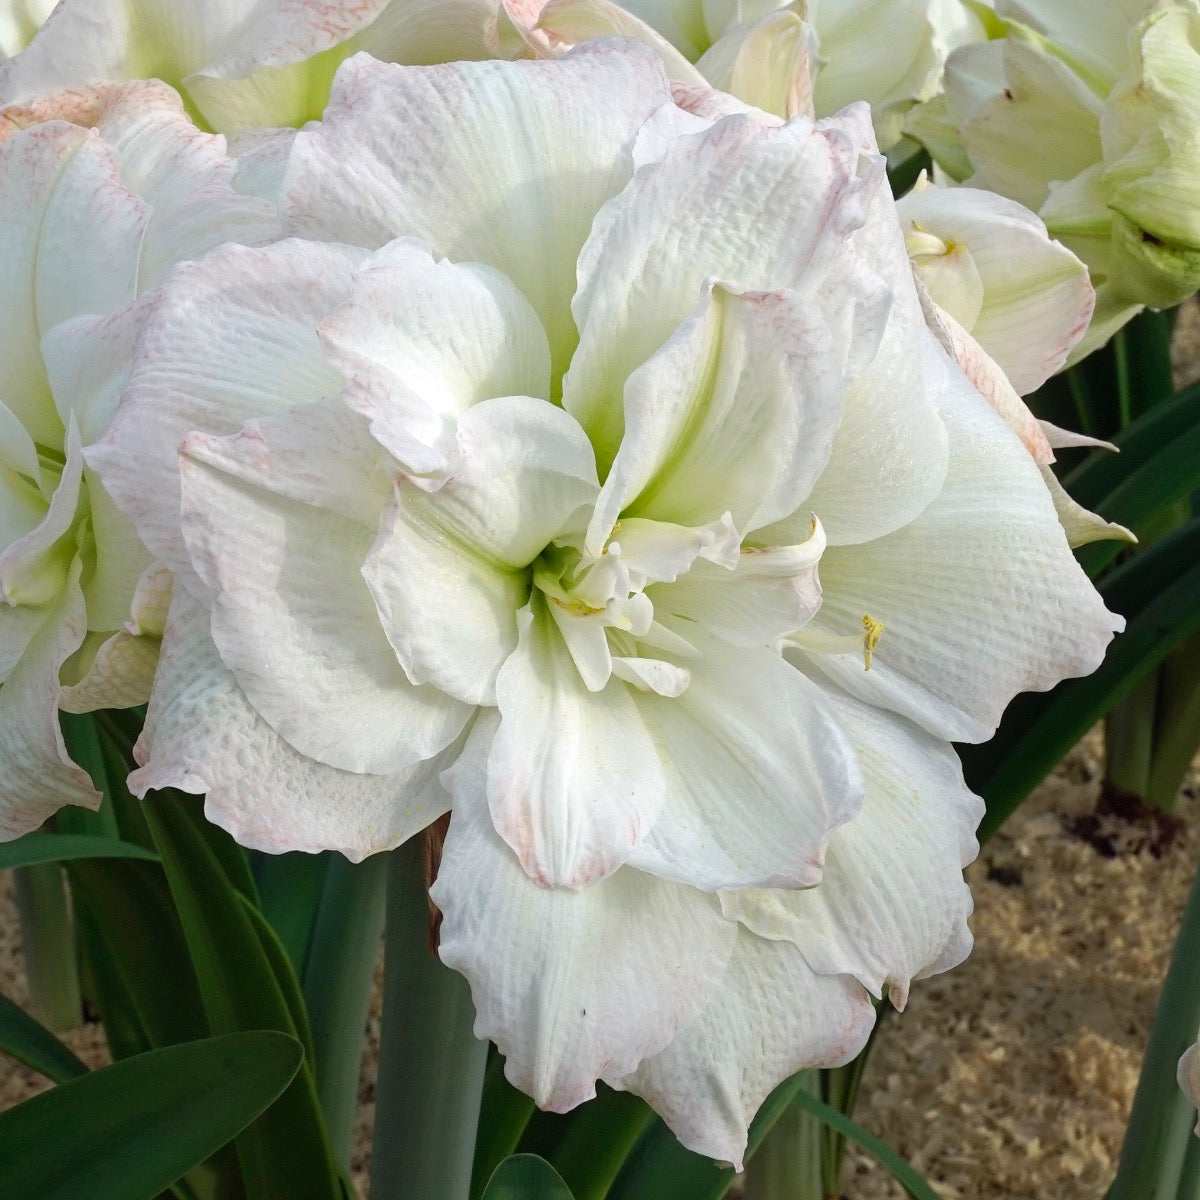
{"x": 597, "y": 1140}
{"x": 1157, "y": 1157}
{"x": 129, "y": 1131}
{"x": 903, "y": 1174}
{"x": 141, "y": 953}
{"x": 224, "y": 849}
{"x": 431, "y": 1066}
{"x": 526, "y": 1177}
{"x": 503, "y": 1115}
{"x": 1145, "y": 494}
{"x": 1158, "y": 591}
{"x": 661, "y": 1169}
{"x": 1102, "y": 471}
{"x": 285, "y": 1155}
{"x": 30, "y": 1042}
{"x": 36, "y": 848}
{"x": 291, "y": 886}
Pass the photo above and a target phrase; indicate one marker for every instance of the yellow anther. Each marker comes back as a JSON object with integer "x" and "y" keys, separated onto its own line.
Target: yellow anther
{"x": 873, "y": 632}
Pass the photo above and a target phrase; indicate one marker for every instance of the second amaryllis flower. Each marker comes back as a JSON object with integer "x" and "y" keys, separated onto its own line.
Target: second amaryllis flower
{"x": 503, "y": 487}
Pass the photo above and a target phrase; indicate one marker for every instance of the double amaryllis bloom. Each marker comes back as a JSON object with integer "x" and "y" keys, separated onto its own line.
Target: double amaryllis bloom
{"x": 102, "y": 191}
{"x": 586, "y": 468}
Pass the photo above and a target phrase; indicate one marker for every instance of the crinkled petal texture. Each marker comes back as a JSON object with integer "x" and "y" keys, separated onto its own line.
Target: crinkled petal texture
{"x": 979, "y": 596}
{"x": 590, "y": 981}
{"x": 504, "y": 164}
{"x": 515, "y": 469}
{"x": 102, "y": 190}
{"x": 203, "y": 735}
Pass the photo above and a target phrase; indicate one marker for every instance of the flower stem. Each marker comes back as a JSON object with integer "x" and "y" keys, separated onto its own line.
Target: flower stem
{"x": 1177, "y": 724}
{"x": 788, "y": 1164}
{"x": 431, "y": 1066}
{"x": 48, "y": 942}
{"x": 1129, "y": 738}
{"x": 338, "y": 974}
{"x": 1159, "y": 1133}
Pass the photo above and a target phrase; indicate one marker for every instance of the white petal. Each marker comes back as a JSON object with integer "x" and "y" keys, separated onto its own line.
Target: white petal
{"x": 448, "y": 572}
{"x": 500, "y": 163}
{"x": 54, "y": 263}
{"x": 767, "y": 63}
{"x": 1081, "y": 525}
{"x": 573, "y": 779}
{"x": 570, "y": 985}
{"x": 229, "y": 338}
{"x": 979, "y": 597}
{"x": 292, "y": 617}
{"x": 758, "y": 773}
{"x": 892, "y": 905}
{"x": 1037, "y": 298}
{"x": 771, "y": 592}
{"x": 34, "y": 568}
{"x": 657, "y": 551}
{"x": 706, "y": 209}
{"x": 736, "y": 413}
{"x": 202, "y": 735}
{"x": 563, "y": 23}
{"x": 770, "y": 1016}
{"x": 183, "y": 174}
{"x": 420, "y": 341}
{"x": 889, "y": 456}
{"x": 36, "y": 775}
{"x": 1043, "y": 126}
{"x": 122, "y": 672}
{"x": 987, "y": 377}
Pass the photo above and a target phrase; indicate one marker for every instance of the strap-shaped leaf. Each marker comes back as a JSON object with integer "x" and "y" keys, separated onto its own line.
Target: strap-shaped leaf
{"x": 900, "y": 1170}
{"x": 1158, "y": 591}
{"x": 30, "y": 1042}
{"x": 1145, "y": 494}
{"x": 286, "y": 1154}
{"x": 130, "y": 1130}
{"x": 1102, "y": 471}
{"x": 526, "y": 1177}
{"x": 36, "y": 848}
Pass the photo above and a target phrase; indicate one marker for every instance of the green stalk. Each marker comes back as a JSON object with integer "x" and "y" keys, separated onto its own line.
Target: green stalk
{"x": 1188, "y": 1187}
{"x": 1129, "y": 737}
{"x": 1177, "y": 725}
{"x": 504, "y": 1114}
{"x": 48, "y": 942}
{"x": 337, "y": 987}
{"x": 788, "y": 1164}
{"x": 1159, "y": 1133}
{"x": 431, "y": 1066}
{"x": 597, "y": 1141}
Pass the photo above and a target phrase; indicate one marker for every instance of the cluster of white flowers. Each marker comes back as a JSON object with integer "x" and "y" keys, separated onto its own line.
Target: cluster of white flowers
{"x": 557, "y": 442}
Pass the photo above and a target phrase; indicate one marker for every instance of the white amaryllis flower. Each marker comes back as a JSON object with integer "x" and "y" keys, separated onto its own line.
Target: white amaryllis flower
{"x": 240, "y": 66}
{"x": 990, "y": 264}
{"x": 784, "y": 58}
{"x": 101, "y": 192}
{"x": 1089, "y": 117}
{"x": 504, "y": 483}
{"x": 1009, "y": 305}
{"x": 19, "y": 21}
